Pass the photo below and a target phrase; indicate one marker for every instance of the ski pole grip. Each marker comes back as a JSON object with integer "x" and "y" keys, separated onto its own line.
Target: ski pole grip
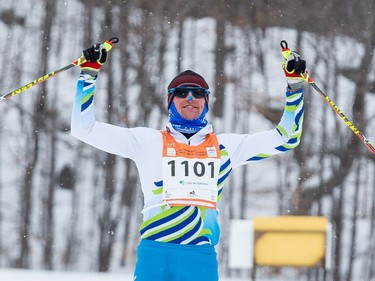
{"x": 285, "y": 50}
{"x": 108, "y": 43}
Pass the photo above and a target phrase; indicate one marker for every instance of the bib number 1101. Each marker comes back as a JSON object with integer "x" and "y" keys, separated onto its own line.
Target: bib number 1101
{"x": 199, "y": 168}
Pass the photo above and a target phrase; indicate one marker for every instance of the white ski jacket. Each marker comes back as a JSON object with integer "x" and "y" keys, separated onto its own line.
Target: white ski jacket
{"x": 180, "y": 224}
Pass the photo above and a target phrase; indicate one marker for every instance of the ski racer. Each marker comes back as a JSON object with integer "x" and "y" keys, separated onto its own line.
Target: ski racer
{"x": 183, "y": 167}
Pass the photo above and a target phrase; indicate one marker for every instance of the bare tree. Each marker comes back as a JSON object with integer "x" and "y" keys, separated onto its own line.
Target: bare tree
{"x": 12, "y": 21}
{"x": 47, "y": 114}
{"x": 353, "y": 246}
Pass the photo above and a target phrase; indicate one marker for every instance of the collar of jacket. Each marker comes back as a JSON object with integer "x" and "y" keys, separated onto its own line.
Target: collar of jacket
{"x": 196, "y": 139}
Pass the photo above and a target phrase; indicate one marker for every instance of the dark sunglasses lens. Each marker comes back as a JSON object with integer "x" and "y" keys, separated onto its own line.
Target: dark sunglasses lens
{"x": 181, "y": 92}
{"x": 197, "y": 93}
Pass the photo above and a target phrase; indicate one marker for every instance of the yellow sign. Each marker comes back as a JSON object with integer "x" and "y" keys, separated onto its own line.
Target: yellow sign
{"x": 299, "y": 241}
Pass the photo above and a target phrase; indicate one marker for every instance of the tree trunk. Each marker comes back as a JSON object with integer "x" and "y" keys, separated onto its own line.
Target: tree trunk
{"x": 128, "y": 200}
{"x": 49, "y": 116}
{"x": 338, "y": 218}
{"x": 107, "y": 224}
{"x": 353, "y": 246}
{"x": 32, "y": 149}
{"x": 219, "y": 68}
{"x": 180, "y": 44}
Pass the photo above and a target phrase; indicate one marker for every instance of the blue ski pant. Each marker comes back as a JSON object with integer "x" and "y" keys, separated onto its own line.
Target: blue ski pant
{"x": 160, "y": 261}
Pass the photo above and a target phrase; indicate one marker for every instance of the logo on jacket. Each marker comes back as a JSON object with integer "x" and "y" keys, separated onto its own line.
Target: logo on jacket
{"x": 211, "y": 151}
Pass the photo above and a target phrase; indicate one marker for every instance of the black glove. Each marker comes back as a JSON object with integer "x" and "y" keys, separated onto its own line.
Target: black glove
{"x": 95, "y": 57}
{"x": 296, "y": 64}
{"x": 96, "y": 53}
{"x": 295, "y": 70}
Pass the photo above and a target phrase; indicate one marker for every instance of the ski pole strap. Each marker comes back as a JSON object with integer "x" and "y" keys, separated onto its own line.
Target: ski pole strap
{"x": 286, "y": 53}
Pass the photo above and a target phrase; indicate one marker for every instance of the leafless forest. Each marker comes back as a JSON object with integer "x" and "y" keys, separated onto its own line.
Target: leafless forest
{"x": 67, "y": 206}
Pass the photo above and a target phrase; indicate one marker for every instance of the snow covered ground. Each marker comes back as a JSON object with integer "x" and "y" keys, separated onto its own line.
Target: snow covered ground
{"x": 34, "y": 275}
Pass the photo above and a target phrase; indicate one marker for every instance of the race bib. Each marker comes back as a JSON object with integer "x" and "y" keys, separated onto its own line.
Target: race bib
{"x": 190, "y": 173}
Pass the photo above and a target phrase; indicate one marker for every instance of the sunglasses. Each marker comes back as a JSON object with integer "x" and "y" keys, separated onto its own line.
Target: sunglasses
{"x": 183, "y": 92}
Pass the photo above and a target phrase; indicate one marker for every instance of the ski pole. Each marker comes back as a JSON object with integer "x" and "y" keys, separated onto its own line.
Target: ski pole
{"x": 307, "y": 78}
{"x": 81, "y": 60}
